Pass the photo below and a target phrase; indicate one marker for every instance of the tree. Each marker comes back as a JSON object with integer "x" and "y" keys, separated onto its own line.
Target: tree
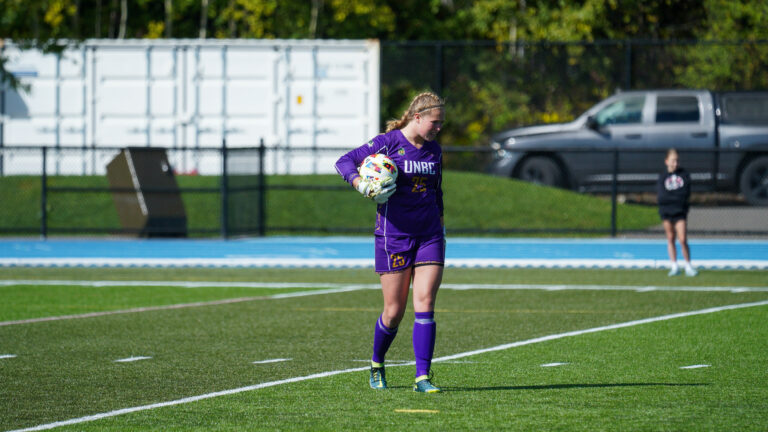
{"x": 35, "y": 24}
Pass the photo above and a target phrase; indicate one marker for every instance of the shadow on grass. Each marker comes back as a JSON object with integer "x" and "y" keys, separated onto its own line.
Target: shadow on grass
{"x": 573, "y": 386}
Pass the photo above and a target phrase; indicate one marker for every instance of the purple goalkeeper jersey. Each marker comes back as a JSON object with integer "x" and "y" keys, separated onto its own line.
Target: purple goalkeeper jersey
{"x": 417, "y": 204}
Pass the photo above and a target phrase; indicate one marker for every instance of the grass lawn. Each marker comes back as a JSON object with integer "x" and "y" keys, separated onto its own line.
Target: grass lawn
{"x": 616, "y": 358}
{"x": 472, "y": 202}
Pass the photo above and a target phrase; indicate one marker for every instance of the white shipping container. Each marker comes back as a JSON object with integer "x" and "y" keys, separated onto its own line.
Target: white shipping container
{"x": 192, "y": 94}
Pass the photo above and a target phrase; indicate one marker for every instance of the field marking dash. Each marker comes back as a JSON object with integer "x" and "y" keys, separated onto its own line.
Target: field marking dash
{"x": 417, "y": 411}
{"x": 554, "y": 364}
{"x": 698, "y": 366}
{"x": 277, "y": 360}
{"x": 7, "y": 356}
{"x": 132, "y": 359}
{"x": 191, "y": 399}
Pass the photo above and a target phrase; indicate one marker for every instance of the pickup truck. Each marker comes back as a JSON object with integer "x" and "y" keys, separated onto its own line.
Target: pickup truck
{"x": 722, "y": 139}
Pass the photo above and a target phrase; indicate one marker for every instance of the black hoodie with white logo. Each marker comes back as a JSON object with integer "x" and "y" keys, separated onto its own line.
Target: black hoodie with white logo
{"x": 673, "y": 191}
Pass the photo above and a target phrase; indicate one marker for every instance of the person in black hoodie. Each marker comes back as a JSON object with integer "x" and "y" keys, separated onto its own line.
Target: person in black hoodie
{"x": 673, "y": 193}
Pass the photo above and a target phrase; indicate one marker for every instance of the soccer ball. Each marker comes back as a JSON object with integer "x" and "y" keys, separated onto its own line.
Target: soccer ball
{"x": 378, "y": 167}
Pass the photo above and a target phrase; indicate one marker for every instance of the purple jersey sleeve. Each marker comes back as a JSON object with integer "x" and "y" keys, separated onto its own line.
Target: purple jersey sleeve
{"x": 347, "y": 165}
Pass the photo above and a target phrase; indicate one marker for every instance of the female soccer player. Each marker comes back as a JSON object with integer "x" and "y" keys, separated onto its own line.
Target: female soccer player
{"x": 409, "y": 235}
{"x": 673, "y": 193}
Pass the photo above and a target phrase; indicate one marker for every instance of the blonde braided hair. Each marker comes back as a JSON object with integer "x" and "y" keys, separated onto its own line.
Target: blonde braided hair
{"x": 423, "y": 102}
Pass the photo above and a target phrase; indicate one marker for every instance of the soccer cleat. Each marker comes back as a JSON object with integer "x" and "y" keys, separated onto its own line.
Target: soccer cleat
{"x": 690, "y": 271}
{"x": 378, "y": 378}
{"x": 423, "y": 385}
{"x": 674, "y": 271}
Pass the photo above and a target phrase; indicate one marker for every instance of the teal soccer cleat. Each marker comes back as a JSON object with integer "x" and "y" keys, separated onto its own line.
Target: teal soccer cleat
{"x": 423, "y": 385}
{"x": 378, "y": 378}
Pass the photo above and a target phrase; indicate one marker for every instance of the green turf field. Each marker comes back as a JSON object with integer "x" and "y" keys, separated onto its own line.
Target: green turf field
{"x": 616, "y": 350}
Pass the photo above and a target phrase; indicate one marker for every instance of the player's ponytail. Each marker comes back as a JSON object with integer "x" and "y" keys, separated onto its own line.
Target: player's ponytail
{"x": 422, "y": 103}
{"x": 398, "y": 123}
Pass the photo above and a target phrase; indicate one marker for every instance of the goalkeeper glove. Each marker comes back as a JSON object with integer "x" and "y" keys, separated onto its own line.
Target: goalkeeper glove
{"x": 368, "y": 187}
{"x": 383, "y": 195}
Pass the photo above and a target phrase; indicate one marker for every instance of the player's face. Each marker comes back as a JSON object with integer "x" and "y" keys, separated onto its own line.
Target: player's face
{"x": 430, "y": 123}
{"x": 671, "y": 162}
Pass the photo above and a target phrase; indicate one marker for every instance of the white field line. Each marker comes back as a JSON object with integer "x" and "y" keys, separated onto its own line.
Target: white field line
{"x": 277, "y": 360}
{"x": 179, "y": 284}
{"x": 132, "y": 359}
{"x": 287, "y": 263}
{"x": 638, "y": 288}
{"x": 329, "y": 288}
{"x": 604, "y": 328}
{"x": 191, "y": 399}
{"x": 181, "y": 306}
{"x": 695, "y": 366}
{"x": 186, "y": 400}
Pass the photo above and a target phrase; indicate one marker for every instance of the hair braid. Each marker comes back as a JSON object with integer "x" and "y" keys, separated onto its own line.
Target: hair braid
{"x": 425, "y": 101}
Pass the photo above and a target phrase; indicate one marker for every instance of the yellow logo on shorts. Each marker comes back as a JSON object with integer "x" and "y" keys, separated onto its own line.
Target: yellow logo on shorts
{"x": 397, "y": 260}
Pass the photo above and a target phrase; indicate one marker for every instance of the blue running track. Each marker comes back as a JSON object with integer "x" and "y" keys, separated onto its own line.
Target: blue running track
{"x": 358, "y": 252}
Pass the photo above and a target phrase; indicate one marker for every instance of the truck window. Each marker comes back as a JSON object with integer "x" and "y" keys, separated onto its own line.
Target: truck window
{"x": 677, "y": 109}
{"x": 745, "y": 108}
{"x": 624, "y": 111}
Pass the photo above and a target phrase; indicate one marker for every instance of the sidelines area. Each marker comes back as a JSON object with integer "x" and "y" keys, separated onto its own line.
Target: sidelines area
{"x": 352, "y": 252}
{"x": 552, "y": 337}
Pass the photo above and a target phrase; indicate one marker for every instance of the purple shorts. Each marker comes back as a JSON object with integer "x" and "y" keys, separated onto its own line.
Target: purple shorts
{"x": 395, "y": 254}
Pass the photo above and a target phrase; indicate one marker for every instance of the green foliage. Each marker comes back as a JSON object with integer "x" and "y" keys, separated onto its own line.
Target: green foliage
{"x": 497, "y": 20}
{"x": 245, "y": 18}
{"x": 358, "y": 19}
{"x": 528, "y": 77}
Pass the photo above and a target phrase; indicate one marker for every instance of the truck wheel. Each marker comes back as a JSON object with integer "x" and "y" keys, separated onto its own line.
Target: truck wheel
{"x": 541, "y": 170}
{"x": 754, "y": 181}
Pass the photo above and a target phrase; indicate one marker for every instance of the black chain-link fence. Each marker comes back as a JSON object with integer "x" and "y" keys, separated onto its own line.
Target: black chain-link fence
{"x": 240, "y": 199}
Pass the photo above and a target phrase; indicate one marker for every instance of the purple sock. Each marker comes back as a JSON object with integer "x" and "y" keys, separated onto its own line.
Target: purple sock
{"x": 424, "y": 331}
{"x": 382, "y": 339}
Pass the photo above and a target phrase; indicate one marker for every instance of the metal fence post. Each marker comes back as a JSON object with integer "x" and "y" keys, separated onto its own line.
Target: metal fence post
{"x": 628, "y": 65}
{"x": 224, "y": 190}
{"x": 2, "y": 119}
{"x": 262, "y": 209}
{"x": 44, "y": 195}
{"x": 614, "y": 190}
{"x": 439, "y": 68}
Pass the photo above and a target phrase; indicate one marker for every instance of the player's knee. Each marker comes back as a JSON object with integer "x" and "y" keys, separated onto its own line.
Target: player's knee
{"x": 424, "y": 303}
{"x": 392, "y": 315}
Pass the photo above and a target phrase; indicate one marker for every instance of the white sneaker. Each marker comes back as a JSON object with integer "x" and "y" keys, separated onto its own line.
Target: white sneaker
{"x": 674, "y": 271}
{"x": 690, "y": 271}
